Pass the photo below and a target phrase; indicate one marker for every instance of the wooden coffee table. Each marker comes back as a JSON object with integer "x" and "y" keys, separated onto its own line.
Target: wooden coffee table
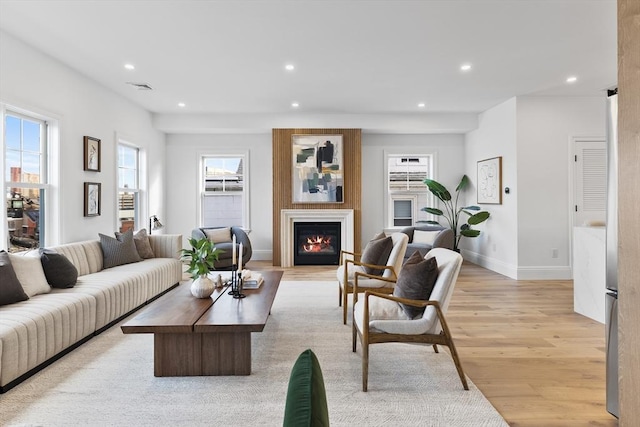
{"x": 210, "y": 336}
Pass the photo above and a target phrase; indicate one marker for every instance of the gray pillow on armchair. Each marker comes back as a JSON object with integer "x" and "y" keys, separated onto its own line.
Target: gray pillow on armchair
{"x": 377, "y": 252}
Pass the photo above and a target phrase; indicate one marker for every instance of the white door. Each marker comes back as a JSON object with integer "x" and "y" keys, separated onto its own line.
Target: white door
{"x": 590, "y": 181}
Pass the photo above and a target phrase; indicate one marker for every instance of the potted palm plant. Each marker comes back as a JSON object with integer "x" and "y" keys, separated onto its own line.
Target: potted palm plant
{"x": 201, "y": 257}
{"x": 452, "y": 212}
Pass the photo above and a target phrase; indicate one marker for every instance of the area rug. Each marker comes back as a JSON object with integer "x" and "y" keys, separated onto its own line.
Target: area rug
{"x": 109, "y": 380}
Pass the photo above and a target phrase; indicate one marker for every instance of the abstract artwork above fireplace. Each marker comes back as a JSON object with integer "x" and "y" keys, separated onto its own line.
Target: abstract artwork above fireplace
{"x": 317, "y": 173}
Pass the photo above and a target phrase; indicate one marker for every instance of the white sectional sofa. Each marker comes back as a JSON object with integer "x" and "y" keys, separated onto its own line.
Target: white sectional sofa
{"x": 35, "y": 332}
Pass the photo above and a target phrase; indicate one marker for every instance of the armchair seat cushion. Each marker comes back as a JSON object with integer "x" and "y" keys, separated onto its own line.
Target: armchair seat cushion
{"x": 362, "y": 281}
{"x": 402, "y": 324}
{"x": 381, "y": 309}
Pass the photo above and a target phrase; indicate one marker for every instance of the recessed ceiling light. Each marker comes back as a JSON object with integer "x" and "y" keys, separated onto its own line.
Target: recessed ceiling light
{"x": 421, "y": 105}
{"x": 572, "y": 79}
{"x": 295, "y": 104}
{"x": 181, "y": 104}
{"x": 289, "y": 67}
{"x": 129, "y": 66}
{"x": 465, "y": 67}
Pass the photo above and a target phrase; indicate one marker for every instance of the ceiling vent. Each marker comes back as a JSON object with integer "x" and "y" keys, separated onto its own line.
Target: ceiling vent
{"x": 140, "y": 86}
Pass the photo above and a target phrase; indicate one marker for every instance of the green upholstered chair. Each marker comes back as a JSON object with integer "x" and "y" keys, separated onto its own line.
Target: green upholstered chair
{"x": 306, "y": 397}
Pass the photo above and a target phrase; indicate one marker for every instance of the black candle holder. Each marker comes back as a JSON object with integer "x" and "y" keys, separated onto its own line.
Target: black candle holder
{"x": 236, "y": 282}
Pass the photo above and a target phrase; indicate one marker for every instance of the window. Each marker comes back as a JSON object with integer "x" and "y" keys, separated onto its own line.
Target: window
{"x": 224, "y": 195}
{"x": 26, "y": 180}
{"x": 128, "y": 187}
{"x": 407, "y": 193}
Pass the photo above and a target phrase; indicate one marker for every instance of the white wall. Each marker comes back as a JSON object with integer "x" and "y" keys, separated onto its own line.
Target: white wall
{"x": 533, "y": 135}
{"x": 497, "y": 246}
{"x": 183, "y": 152}
{"x": 449, "y": 168}
{"x": 545, "y": 128}
{"x": 36, "y": 82}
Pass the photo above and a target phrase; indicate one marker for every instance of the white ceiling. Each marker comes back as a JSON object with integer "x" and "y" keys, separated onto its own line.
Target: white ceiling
{"x": 356, "y": 57}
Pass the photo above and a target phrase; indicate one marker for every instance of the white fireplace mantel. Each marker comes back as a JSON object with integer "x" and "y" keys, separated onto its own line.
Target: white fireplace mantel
{"x": 289, "y": 216}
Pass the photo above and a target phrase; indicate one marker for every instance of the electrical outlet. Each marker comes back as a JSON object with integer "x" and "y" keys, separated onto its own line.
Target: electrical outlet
{"x": 554, "y": 253}
{"x": 493, "y": 247}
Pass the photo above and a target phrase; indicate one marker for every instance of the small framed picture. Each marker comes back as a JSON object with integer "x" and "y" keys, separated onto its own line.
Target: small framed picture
{"x": 92, "y": 198}
{"x": 91, "y": 154}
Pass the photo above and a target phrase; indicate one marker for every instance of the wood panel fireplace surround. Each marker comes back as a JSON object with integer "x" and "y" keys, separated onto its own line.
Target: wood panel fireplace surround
{"x": 285, "y": 210}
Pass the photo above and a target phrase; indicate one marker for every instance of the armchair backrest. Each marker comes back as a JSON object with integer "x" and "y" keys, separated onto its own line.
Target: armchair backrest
{"x": 449, "y": 264}
{"x": 444, "y": 239}
{"x": 396, "y": 256}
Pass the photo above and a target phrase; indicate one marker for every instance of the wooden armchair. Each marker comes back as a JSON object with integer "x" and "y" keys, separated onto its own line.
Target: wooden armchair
{"x": 378, "y": 317}
{"x": 352, "y": 269}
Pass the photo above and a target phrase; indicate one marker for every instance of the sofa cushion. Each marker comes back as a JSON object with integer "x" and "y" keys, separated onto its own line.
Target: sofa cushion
{"x": 143, "y": 246}
{"x": 118, "y": 251}
{"x": 59, "y": 271}
{"x": 86, "y": 256}
{"x": 30, "y": 273}
{"x": 218, "y": 235}
{"x": 425, "y": 237}
{"x": 33, "y": 331}
{"x": 416, "y": 281}
{"x": 10, "y": 288}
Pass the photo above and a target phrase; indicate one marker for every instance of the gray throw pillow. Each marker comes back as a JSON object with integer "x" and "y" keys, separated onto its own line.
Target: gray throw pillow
{"x": 377, "y": 253}
{"x": 143, "y": 246}
{"x": 416, "y": 281}
{"x": 118, "y": 251}
{"x": 380, "y": 235}
{"x": 10, "y": 288}
{"x": 59, "y": 271}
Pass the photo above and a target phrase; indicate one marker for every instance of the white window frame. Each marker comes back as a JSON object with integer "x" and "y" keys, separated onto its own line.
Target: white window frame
{"x": 139, "y": 190}
{"x": 51, "y": 158}
{"x": 413, "y": 195}
{"x": 413, "y": 198}
{"x": 244, "y": 155}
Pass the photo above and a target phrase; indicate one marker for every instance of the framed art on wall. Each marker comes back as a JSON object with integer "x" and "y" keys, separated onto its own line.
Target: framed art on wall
{"x": 91, "y": 154}
{"x": 317, "y": 173}
{"x": 92, "y": 198}
{"x": 490, "y": 181}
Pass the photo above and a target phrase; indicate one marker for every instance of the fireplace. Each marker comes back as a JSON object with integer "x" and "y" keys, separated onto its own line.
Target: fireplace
{"x": 316, "y": 243}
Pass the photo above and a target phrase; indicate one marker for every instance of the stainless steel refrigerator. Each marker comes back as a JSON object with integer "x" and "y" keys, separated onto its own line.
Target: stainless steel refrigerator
{"x": 611, "y": 318}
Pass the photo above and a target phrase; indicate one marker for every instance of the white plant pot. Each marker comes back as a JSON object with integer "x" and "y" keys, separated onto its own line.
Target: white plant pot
{"x": 202, "y": 287}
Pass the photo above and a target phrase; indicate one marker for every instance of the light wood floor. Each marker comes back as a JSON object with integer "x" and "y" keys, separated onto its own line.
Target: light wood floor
{"x": 538, "y": 362}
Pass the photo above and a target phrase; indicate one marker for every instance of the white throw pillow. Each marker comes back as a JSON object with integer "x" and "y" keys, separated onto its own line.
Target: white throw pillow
{"x": 425, "y": 237}
{"x": 30, "y": 274}
{"x": 219, "y": 235}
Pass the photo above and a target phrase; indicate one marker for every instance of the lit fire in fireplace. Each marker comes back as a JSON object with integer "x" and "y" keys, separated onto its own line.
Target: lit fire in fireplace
{"x": 317, "y": 244}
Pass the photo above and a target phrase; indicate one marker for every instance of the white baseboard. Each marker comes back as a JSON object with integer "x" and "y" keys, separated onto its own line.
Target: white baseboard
{"x": 491, "y": 263}
{"x": 543, "y": 272}
{"x": 262, "y": 255}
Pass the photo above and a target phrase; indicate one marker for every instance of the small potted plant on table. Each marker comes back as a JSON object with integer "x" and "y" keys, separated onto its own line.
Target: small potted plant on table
{"x": 202, "y": 256}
